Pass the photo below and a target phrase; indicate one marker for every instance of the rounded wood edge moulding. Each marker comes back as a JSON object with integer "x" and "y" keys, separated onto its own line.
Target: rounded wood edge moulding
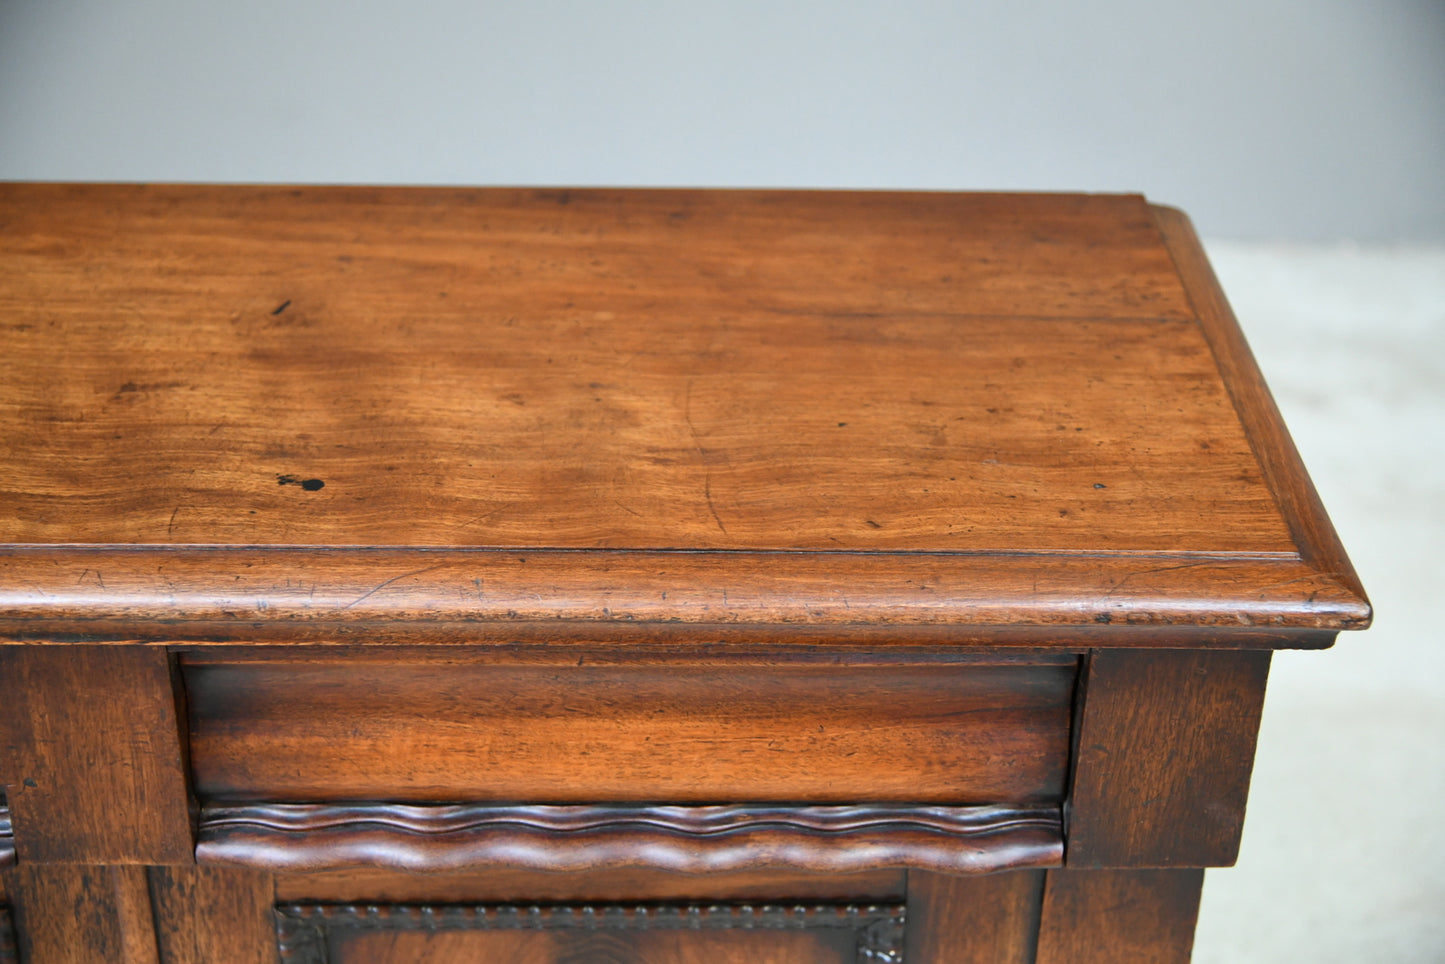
{"x": 240, "y": 594}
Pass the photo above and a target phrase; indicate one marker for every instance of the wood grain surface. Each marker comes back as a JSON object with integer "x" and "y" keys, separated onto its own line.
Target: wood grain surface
{"x": 95, "y": 755}
{"x": 382, "y": 596}
{"x": 1119, "y": 916}
{"x": 622, "y": 369}
{"x": 342, "y": 730}
{"x": 1045, "y": 395}
{"x": 973, "y": 920}
{"x": 67, "y": 914}
{"x": 1279, "y": 460}
{"x": 523, "y": 498}
{"x": 1165, "y": 748}
{"x": 213, "y": 915}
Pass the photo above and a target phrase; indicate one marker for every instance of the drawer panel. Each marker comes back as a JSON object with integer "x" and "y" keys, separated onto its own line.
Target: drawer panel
{"x": 340, "y": 729}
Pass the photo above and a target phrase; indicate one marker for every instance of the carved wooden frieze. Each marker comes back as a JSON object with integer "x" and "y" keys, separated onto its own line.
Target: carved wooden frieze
{"x": 309, "y": 933}
{"x": 689, "y": 840}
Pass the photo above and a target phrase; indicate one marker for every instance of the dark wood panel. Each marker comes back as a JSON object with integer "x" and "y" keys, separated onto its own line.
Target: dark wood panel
{"x": 338, "y": 731}
{"x": 9, "y": 953}
{"x": 973, "y": 920}
{"x": 1165, "y": 749}
{"x": 684, "y": 840}
{"x": 613, "y": 934}
{"x": 213, "y": 915}
{"x": 629, "y": 886}
{"x": 652, "y": 948}
{"x": 1119, "y": 916}
{"x": 95, "y": 756}
{"x": 65, "y": 914}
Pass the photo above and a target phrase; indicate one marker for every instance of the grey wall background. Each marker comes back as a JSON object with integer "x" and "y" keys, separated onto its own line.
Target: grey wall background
{"x": 1298, "y": 119}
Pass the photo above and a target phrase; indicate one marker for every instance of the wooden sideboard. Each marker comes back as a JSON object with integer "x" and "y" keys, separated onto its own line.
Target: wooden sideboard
{"x": 630, "y": 577}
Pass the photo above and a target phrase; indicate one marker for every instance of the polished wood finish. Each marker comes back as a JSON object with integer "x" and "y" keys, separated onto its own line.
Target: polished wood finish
{"x": 724, "y": 372}
{"x": 670, "y": 947}
{"x": 213, "y": 915}
{"x": 682, "y": 840}
{"x": 763, "y": 533}
{"x": 1119, "y": 916}
{"x": 66, "y": 913}
{"x": 973, "y": 920}
{"x": 631, "y": 886}
{"x": 625, "y": 369}
{"x": 718, "y": 934}
{"x": 346, "y": 729}
{"x": 1166, "y": 745}
{"x": 95, "y": 755}
{"x": 1310, "y": 528}
{"x": 376, "y": 596}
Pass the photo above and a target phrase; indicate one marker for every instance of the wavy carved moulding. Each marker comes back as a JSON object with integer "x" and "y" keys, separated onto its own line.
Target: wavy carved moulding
{"x": 644, "y": 934}
{"x": 686, "y": 840}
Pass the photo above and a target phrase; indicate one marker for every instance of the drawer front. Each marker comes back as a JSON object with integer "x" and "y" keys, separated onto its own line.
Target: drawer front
{"x": 425, "y": 730}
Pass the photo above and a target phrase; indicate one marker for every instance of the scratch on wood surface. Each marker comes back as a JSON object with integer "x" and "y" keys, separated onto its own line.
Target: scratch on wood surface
{"x": 382, "y": 585}
{"x": 702, "y": 455}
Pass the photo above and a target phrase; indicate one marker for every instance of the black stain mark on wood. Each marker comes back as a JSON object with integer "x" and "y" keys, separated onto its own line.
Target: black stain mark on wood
{"x": 282, "y": 306}
{"x": 134, "y": 388}
{"x": 310, "y": 485}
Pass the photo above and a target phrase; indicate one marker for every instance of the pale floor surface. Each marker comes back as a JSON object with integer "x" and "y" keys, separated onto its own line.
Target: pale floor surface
{"x": 1344, "y": 846}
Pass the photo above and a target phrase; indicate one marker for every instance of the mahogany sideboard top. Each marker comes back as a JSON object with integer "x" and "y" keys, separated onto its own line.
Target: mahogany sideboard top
{"x": 640, "y": 577}
{"x": 337, "y": 414}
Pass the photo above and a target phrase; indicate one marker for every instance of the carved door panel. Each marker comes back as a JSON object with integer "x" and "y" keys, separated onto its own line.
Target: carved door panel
{"x": 580, "y": 947}
{"x": 743, "y": 934}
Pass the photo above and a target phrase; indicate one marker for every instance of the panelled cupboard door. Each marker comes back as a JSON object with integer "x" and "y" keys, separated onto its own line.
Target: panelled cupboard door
{"x": 696, "y": 934}
{"x": 740, "y": 947}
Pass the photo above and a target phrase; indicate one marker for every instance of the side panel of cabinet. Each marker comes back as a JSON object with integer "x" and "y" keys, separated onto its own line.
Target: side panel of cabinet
{"x": 1165, "y": 747}
{"x": 94, "y": 755}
